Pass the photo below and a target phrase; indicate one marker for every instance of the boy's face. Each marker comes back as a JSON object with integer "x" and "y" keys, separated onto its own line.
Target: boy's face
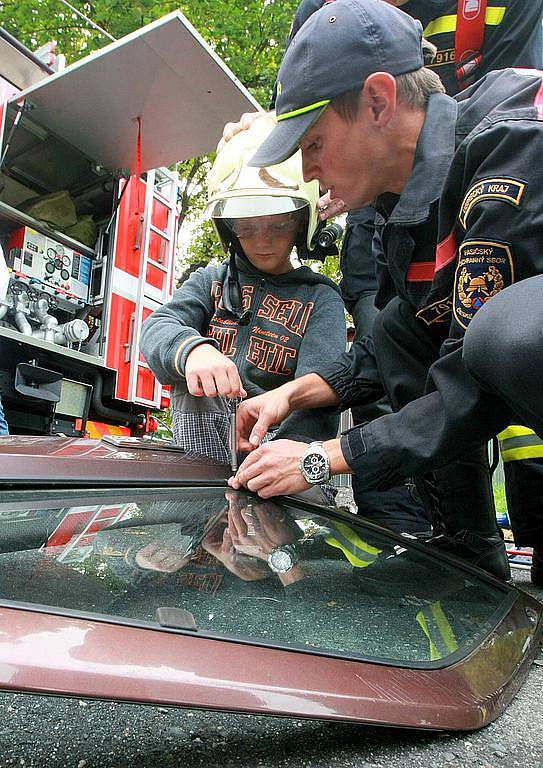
{"x": 267, "y": 241}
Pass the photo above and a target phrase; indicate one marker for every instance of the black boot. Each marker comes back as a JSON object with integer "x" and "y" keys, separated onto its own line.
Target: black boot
{"x": 464, "y": 515}
{"x": 486, "y": 552}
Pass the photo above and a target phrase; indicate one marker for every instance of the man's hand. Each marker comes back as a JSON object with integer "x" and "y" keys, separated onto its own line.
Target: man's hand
{"x": 328, "y": 207}
{"x": 272, "y": 469}
{"x": 210, "y": 373}
{"x": 230, "y": 129}
{"x": 257, "y": 415}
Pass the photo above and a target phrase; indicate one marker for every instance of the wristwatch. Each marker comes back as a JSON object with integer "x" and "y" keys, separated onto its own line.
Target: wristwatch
{"x": 315, "y": 464}
{"x": 283, "y": 558}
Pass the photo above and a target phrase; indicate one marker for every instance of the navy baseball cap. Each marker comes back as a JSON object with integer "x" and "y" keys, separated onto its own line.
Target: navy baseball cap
{"x": 333, "y": 52}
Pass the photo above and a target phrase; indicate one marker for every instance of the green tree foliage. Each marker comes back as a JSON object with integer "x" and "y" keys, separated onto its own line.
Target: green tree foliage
{"x": 35, "y": 22}
{"x": 249, "y": 36}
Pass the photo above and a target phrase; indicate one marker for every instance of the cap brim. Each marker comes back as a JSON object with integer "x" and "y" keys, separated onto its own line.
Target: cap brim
{"x": 285, "y": 139}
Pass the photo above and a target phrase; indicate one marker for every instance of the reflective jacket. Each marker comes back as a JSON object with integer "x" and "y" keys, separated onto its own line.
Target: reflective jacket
{"x": 476, "y": 189}
{"x": 512, "y": 36}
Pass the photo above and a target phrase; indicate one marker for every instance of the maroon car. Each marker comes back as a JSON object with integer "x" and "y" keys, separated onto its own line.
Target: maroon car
{"x": 131, "y": 572}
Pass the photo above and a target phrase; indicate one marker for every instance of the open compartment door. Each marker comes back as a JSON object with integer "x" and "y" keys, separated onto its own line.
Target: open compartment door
{"x": 166, "y": 75}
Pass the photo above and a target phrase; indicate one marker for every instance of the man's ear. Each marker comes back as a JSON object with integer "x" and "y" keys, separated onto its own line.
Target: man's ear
{"x": 379, "y": 94}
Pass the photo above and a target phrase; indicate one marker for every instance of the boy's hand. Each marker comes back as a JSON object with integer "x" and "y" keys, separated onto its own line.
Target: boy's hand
{"x": 210, "y": 373}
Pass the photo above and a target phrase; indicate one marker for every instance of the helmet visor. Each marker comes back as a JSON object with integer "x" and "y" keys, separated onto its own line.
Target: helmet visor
{"x": 280, "y": 225}
{"x": 250, "y": 207}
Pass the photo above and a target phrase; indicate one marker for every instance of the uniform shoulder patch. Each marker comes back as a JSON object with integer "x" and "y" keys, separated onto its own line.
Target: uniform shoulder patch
{"x": 507, "y": 190}
{"x": 484, "y": 269}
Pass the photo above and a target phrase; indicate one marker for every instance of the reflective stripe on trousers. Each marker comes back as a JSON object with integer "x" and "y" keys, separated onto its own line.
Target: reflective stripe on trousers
{"x": 438, "y": 630}
{"x": 357, "y": 551}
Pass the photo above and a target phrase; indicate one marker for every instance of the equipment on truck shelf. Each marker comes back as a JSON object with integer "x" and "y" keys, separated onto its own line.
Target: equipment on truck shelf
{"x": 89, "y": 218}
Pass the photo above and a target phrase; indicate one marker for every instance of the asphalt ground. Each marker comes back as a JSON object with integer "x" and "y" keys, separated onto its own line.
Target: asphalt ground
{"x": 60, "y": 732}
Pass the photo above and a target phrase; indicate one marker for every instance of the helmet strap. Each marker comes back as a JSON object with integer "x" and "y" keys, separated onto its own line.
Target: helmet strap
{"x": 232, "y": 299}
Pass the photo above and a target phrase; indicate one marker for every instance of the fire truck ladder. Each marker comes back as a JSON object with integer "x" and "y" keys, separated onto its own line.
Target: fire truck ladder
{"x": 157, "y": 259}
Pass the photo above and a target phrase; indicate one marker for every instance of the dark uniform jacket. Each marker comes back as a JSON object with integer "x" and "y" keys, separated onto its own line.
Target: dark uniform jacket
{"x": 512, "y": 36}
{"x": 477, "y": 190}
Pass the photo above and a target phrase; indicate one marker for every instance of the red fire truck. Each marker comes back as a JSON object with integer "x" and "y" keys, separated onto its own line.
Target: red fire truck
{"x": 88, "y": 218}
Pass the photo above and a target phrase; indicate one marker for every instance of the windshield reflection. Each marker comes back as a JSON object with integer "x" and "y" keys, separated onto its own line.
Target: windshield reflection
{"x": 269, "y": 571}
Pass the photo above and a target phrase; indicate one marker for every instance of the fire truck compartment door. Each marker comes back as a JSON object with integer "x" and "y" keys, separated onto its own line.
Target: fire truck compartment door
{"x": 165, "y": 74}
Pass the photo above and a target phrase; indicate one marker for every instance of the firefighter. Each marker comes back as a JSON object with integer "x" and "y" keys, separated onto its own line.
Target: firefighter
{"x": 254, "y": 322}
{"x": 463, "y": 174}
{"x": 509, "y": 35}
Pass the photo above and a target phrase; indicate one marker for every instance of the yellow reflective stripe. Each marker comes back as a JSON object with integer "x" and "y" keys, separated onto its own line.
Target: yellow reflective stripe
{"x": 439, "y": 26}
{"x": 519, "y": 454}
{"x": 494, "y": 16}
{"x": 518, "y": 443}
{"x": 358, "y": 552}
{"x": 302, "y": 110}
{"x": 445, "y": 629}
{"x": 438, "y": 630}
{"x": 434, "y": 653}
{"x": 515, "y": 431}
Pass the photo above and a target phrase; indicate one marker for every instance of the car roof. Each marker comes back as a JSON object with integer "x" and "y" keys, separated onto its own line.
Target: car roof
{"x": 166, "y": 595}
{"x": 43, "y": 461}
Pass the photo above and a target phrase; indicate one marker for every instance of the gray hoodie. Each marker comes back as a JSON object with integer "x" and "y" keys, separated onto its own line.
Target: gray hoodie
{"x": 297, "y": 322}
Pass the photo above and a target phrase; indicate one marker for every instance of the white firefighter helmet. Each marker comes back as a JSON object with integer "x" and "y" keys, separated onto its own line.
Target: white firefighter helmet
{"x": 236, "y": 190}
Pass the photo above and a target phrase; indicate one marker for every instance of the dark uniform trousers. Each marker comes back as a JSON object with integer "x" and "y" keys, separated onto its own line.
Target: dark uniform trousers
{"x": 397, "y": 508}
{"x": 459, "y": 493}
{"x": 503, "y": 351}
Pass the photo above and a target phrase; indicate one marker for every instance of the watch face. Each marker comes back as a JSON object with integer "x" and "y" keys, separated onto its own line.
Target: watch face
{"x": 314, "y": 466}
{"x": 281, "y": 561}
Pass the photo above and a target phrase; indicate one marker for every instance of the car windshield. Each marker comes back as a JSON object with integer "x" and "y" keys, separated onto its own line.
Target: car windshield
{"x": 224, "y": 563}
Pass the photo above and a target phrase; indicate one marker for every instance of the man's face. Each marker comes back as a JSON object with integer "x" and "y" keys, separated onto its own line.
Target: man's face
{"x": 345, "y": 157}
